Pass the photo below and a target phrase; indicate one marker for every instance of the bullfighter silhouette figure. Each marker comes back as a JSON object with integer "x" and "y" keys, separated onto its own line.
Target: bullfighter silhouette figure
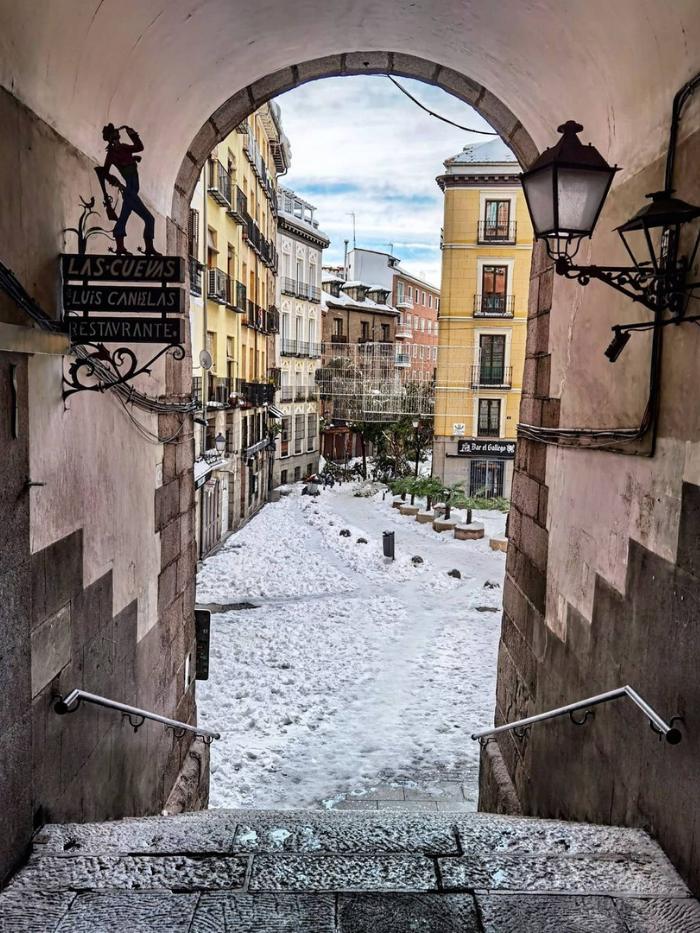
{"x": 122, "y": 156}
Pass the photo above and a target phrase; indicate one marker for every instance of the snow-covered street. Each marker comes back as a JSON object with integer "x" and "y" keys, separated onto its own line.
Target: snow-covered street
{"x": 353, "y": 672}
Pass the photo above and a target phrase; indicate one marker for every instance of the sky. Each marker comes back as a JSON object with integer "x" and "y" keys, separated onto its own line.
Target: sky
{"x": 359, "y": 144}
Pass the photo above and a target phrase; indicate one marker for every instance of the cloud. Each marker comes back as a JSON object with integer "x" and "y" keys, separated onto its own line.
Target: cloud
{"x": 360, "y": 145}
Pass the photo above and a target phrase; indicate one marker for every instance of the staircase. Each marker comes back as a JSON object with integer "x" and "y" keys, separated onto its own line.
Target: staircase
{"x": 249, "y": 871}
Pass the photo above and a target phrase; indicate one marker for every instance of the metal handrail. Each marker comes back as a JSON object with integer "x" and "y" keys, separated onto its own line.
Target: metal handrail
{"x": 63, "y": 704}
{"x": 658, "y": 725}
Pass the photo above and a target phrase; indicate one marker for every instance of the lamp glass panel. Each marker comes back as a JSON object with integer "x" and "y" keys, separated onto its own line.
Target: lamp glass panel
{"x": 540, "y": 200}
{"x": 580, "y": 194}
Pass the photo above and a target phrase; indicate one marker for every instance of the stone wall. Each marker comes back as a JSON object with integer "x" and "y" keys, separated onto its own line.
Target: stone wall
{"x": 97, "y": 564}
{"x": 603, "y": 569}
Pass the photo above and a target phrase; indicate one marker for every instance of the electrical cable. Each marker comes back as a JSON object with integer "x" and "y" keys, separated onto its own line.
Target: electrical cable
{"x": 437, "y": 115}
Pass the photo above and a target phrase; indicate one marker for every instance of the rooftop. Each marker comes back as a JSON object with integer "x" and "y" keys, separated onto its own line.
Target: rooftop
{"x": 494, "y": 151}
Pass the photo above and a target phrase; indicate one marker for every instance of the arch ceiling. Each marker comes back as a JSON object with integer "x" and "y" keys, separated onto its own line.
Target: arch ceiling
{"x": 163, "y": 65}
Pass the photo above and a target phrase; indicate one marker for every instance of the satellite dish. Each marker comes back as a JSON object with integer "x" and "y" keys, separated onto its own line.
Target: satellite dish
{"x": 205, "y": 360}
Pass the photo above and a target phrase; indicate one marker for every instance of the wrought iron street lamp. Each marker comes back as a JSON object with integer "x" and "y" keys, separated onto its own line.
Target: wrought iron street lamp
{"x": 220, "y": 443}
{"x": 565, "y": 191}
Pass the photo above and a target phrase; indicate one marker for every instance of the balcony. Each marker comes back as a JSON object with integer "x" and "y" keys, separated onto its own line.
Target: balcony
{"x": 239, "y": 206}
{"x": 257, "y": 394}
{"x": 403, "y": 331}
{"x": 406, "y": 304}
{"x": 300, "y": 289}
{"x": 219, "y": 287}
{"x": 496, "y": 232}
{"x": 339, "y": 338}
{"x": 219, "y": 185}
{"x": 273, "y": 320}
{"x": 314, "y": 293}
{"x": 289, "y": 286}
{"x": 241, "y": 303}
{"x": 501, "y": 376}
{"x": 195, "y": 271}
{"x": 402, "y": 360}
{"x": 494, "y": 305}
{"x": 286, "y": 394}
{"x": 300, "y": 393}
{"x": 299, "y": 348}
{"x": 256, "y": 316}
{"x": 486, "y": 430}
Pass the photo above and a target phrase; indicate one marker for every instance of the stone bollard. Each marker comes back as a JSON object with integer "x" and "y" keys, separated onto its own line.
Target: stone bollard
{"x": 409, "y": 510}
{"x": 425, "y": 518}
{"x": 498, "y": 543}
{"x": 442, "y": 524}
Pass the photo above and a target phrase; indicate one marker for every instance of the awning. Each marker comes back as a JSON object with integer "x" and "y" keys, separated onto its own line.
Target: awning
{"x": 275, "y": 412}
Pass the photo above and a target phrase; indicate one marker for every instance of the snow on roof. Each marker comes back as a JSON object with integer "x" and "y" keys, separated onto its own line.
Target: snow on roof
{"x": 345, "y": 301}
{"x": 494, "y": 151}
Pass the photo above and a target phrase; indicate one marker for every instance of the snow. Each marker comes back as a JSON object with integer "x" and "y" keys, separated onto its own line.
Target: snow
{"x": 354, "y": 670}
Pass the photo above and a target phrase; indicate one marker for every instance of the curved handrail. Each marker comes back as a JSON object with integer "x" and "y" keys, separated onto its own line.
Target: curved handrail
{"x": 64, "y": 704}
{"x": 673, "y": 736}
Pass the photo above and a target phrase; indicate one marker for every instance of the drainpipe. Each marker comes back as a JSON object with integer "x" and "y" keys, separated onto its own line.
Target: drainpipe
{"x": 205, "y": 373}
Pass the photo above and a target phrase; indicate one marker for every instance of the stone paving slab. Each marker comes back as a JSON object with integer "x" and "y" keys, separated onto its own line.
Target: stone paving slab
{"x": 127, "y": 912}
{"x": 154, "y": 873}
{"x": 522, "y": 913}
{"x": 659, "y": 915}
{"x": 484, "y": 832}
{"x": 144, "y": 835}
{"x": 401, "y": 913}
{"x": 46, "y": 911}
{"x": 264, "y": 913}
{"x": 620, "y": 875}
{"x": 343, "y": 873}
{"x": 349, "y": 833}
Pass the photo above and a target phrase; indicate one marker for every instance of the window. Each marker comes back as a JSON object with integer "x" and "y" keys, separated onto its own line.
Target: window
{"x": 430, "y": 301}
{"x": 430, "y": 327}
{"x": 408, "y": 318}
{"x": 423, "y": 299}
{"x": 493, "y": 355}
{"x": 420, "y": 352}
{"x": 364, "y": 335}
{"x": 415, "y": 351}
{"x": 435, "y": 329}
{"x": 399, "y": 291}
{"x": 385, "y": 333}
{"x": 311, "y": 430}
{"x": 434, "y": 353}
{"x": 297, "y": 474}
{"x": 338, "y": 326}
{"x": 299, "y": 425}
{"x": 422, "y": 324}
{"x": 437, "y": 304}
{"x": 284, "y": 439}
{"x": 410, "y": 293}
{"x": 489, "y": 417}
{"x": 283, "y": 477}
{"x": 486, "y": 478}
{"x": 494, "y": 280}
{"x": 497, "y": 220}
{"x": 309, "y": 468}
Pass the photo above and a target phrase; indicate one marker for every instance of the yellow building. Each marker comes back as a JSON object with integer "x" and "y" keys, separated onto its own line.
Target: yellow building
{"x": 233, "y": 265}
{"x": 486, "y": 253}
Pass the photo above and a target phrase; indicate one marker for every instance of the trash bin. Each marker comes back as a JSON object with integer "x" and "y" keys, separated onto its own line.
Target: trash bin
{"x": 388, "y": 542}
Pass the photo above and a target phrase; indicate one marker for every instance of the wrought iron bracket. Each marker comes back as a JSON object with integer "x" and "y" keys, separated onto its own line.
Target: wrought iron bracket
{"x": 581, "y": 722}
{"x": 654, "y": 290}
{"x": 110, "y": 367}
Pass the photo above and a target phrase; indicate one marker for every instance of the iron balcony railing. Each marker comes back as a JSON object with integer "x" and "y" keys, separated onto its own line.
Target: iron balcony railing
{"x": 488, "y": 430}
{"x": 301, "y": 348}
{"x": 497, "y": 231}
{"x": 300, "y": 393}
{"x": 289, "y": 286}
{"x": 300, "y": 289}
{"x": 258, "y": 394}
{"x": 492, "y": 376}
{"x": 241, "y": 301}
{"x": 494, "y": 305}
{"x": 72, "y": 702}
{"x": 219, "y": 186}
{"x": 239, "y": 206}
{"x": 219, "y": 287}
{"x": 403, "y": 331}
{"x": 286, "y": 393}
{"x": 339, "y": 338}
{"x": 195, "y": 271}
{"x": 658, "y": 725}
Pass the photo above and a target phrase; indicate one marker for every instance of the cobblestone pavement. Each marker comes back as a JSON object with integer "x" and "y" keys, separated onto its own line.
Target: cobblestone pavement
{"x": 374, "y": 872}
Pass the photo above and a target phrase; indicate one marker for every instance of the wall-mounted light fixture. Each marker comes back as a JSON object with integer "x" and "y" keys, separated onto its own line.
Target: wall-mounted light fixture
{"x": 565, "y": 191}
{"x": 220, "y": 443}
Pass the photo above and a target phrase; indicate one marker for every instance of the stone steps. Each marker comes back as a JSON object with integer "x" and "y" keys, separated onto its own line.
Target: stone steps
{"x": 345, "y": 872}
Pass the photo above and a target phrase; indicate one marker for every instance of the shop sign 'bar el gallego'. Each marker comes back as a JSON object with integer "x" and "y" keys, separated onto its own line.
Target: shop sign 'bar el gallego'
{"x": 111, "y": 298}
{"x": 125, "y": 330}
{"x": 123, "y": 268}
{"x": 504, "y": 450}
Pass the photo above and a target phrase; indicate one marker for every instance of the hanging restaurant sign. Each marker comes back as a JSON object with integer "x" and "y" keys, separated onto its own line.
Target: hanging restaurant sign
{"x": 123, "y": 268}
{"x": 110, "y": 298}
{"x": 125, "y": 330}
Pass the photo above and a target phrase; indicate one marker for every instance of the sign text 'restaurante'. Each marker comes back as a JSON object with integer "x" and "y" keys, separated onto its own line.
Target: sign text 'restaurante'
{"x": 123, "y": 268}
{"x": 125, "y": 329}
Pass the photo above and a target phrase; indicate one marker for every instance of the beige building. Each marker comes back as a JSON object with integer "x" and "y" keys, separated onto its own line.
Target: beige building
{"x": 486, "y": 257}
